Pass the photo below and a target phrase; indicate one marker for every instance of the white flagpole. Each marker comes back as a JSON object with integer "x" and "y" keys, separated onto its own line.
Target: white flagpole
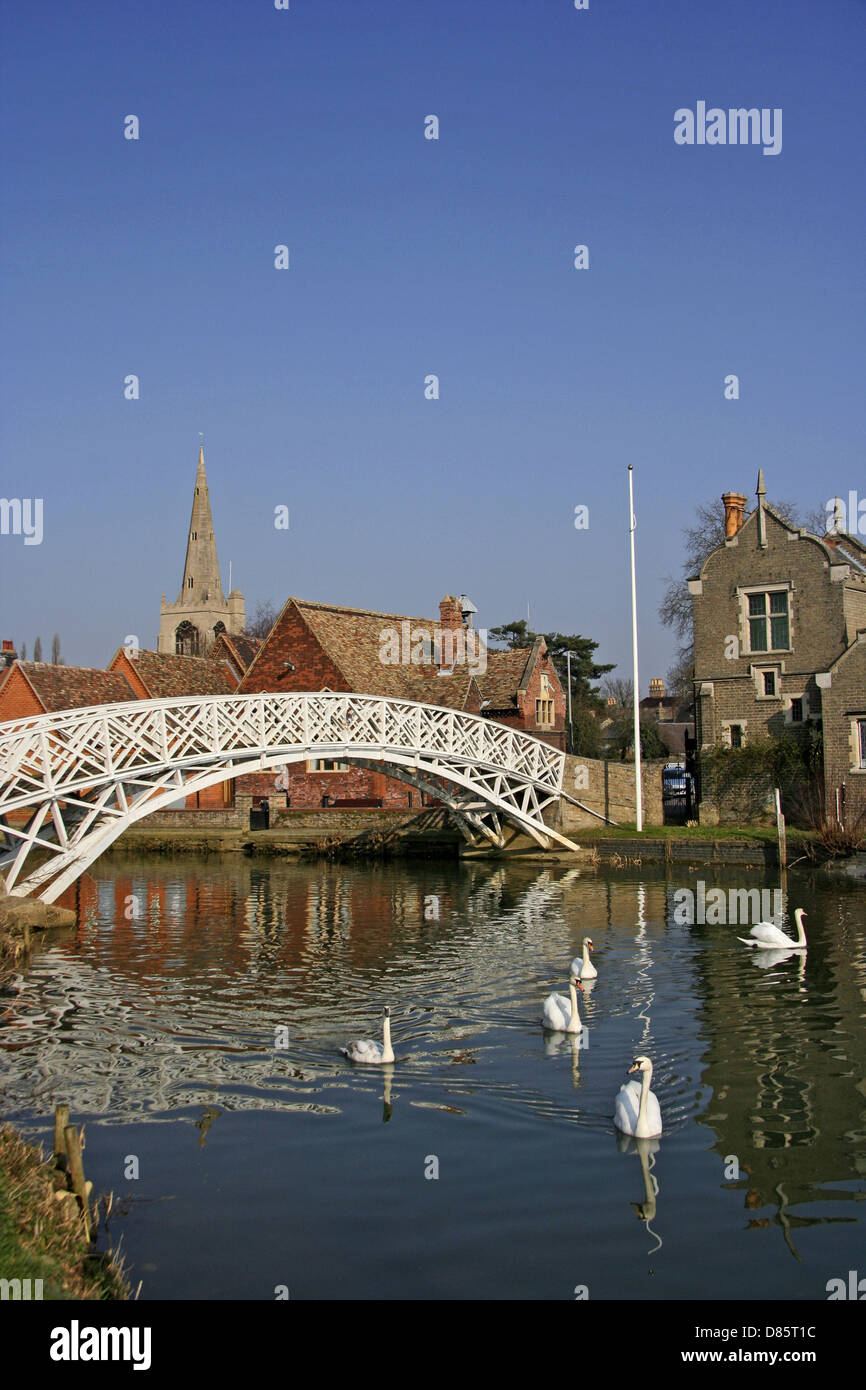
{"x": 637, "y": 778}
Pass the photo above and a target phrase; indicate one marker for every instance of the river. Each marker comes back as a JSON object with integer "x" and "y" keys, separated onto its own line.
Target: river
{"x": 193, "y": 1019}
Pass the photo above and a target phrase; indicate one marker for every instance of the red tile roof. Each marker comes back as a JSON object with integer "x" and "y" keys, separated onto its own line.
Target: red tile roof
{"x": 237, "y": 648}
{"x": 73, "y": 687}
{"x": 355, "y": 640}
{"x": 167, "y": 676}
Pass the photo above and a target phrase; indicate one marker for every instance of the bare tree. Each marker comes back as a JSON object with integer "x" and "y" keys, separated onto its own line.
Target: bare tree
{"x": 23, "y": 651}
{"x": 37, "y": 649}
{"x": 705, "y": 534}
{"x": 266, "y": 616}
{"x": 55, "y": 650}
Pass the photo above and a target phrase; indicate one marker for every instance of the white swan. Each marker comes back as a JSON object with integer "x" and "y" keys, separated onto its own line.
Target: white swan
{"x": 560, "y": 1015}
{"x": 582, "y": 966}
{"x": 363, "y": 1050}
{"x": 768, "y": 937}
{"x": 636, "y": 1110}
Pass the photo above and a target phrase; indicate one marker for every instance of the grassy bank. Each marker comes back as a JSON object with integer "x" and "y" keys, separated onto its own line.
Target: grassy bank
{"x": 42, "y": 1233}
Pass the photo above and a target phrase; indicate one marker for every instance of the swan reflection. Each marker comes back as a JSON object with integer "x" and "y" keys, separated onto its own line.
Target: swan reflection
{"x": 387, "y": 1077}
{"x": 560, "y": 1044}
{"x": 646, "y": 1149}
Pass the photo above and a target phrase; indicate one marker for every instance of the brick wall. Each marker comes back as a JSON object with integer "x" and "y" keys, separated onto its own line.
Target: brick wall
{"x": 16, "y": 698}
{"x": 291, "y": 639}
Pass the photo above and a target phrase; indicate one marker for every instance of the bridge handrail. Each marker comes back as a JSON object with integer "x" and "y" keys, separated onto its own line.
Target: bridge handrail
{"x": 545, "y": 763}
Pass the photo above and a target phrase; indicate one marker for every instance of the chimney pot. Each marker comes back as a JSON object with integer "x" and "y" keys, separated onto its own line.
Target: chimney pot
{"x": 735, "y": 505}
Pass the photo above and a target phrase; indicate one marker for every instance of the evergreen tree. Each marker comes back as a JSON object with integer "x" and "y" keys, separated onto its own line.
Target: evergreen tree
{"x": 37, "y": 649}
{"x": 23, "y": 651}
{"x": 586, "y": 705}
{"x": 55, "y": 650}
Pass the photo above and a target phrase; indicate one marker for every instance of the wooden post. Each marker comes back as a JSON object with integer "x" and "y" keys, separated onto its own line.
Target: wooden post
{"x": 76, "y": 1172}
{"x": 780, "y": 826}
{"x": 61, "y": 1120}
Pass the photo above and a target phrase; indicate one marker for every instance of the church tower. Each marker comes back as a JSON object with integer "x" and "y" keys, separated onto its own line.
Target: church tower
{"x": 192, "y": 625}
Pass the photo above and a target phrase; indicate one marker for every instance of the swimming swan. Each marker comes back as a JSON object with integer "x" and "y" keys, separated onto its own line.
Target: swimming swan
{"x": 768, "y": 937}
{"x": 582, "y": 966}
{"x": 559, "y": 1014}
{"x": 366, "y": 1051}
{"x": 636, "y": 1110}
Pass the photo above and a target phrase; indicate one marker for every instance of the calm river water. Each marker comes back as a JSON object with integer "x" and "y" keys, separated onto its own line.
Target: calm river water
{"x": 162, "y": 1019}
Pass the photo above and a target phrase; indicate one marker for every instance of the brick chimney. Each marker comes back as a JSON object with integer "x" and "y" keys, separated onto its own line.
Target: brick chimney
{"x": 451, "y": 613}
{"x": 735, "y": 504}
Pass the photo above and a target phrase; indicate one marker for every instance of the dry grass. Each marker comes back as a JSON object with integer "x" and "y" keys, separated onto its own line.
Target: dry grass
{"x": 42, "y": 1233}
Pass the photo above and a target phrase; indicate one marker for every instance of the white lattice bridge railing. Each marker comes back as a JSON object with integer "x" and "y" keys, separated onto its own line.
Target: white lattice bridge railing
{"x": 85, "y": 775}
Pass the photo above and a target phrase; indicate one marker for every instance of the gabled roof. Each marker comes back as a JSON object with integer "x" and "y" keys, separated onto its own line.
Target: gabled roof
{"x": 237, "y": 648}
{"x": 168, "y": 676}
{"x": 73, "y": 687}
{"x": 834, "y": 545}
{"x": 354, "y": 640}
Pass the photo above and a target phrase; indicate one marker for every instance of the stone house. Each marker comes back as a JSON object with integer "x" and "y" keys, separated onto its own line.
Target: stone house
{"x": 778, "y": 618}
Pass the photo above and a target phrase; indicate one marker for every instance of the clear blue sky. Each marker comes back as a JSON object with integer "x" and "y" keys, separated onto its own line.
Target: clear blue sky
{"x": 410, "y": 257}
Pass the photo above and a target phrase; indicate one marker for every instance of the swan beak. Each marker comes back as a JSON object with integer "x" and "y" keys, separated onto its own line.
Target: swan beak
{"x": 634, "y": 1067}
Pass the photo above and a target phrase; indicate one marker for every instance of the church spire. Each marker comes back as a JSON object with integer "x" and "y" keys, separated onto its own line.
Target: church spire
{"x": 201, "y": 571}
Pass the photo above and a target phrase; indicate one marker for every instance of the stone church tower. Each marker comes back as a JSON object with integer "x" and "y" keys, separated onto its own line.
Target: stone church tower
{"x": 192, "y": 625}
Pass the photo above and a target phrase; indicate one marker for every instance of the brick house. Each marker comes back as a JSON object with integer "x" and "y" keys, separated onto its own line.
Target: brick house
{"x": 777, "y": 613}
{"x": 317, "y": 646}
{"x": 236, "y": 651}
{"x": 38, "y": 687}
{"x": 167, "y": 676}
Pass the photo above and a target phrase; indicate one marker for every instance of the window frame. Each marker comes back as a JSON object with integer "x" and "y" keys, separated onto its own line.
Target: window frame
{"x": 746, "y": 594}
{"x": 540, "y": 722}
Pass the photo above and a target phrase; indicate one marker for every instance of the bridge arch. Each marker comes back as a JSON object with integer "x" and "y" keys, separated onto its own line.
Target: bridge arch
{"x": 84, "y": 776}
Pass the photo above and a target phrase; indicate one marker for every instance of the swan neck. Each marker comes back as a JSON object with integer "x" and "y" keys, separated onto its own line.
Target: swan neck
{"x": 645, "y": 1079}
{"x": 801, "y": 935}
{"x": 586, "y": 959}
{"x": 572, "y": 990}
{"x": 387, "y": 1050}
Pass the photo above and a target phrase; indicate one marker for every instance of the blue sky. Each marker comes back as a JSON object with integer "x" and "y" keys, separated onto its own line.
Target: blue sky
{"x": 409, "y": 257}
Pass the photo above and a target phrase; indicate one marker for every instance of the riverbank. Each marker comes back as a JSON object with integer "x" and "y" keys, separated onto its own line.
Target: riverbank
{"x": 620, "y": 846}
{"x": 19, "y": 919}
{"x": 42, "y": 1234}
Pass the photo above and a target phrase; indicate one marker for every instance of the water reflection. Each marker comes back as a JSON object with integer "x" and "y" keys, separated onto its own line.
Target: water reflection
{"x": 169, "y": 1014}
{"x": 646, "y": 1149}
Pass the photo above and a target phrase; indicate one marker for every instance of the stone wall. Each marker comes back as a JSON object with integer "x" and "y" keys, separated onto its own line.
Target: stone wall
{"x": 609, "y": 788}
{"x": 844, "y": 700}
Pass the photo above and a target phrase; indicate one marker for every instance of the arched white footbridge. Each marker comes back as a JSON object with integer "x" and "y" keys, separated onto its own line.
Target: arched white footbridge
{"x": 72, "y": 782}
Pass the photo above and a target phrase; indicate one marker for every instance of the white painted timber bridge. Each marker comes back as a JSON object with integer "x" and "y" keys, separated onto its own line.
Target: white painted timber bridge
{"x": 71, "y": 782}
